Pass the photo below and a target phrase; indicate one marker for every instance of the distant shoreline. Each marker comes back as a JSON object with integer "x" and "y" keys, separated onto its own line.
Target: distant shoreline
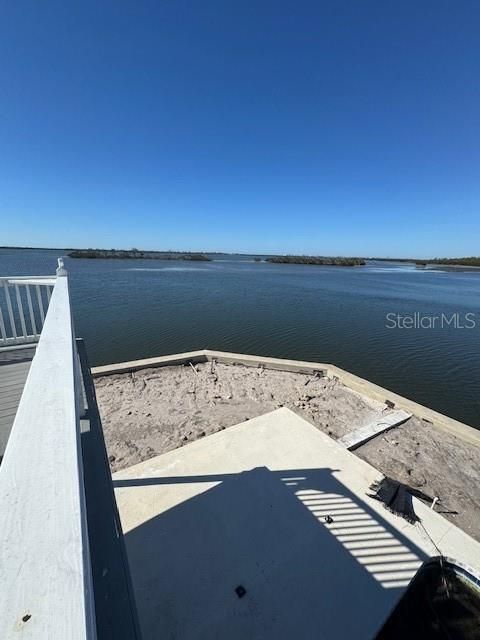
{"x": 454, "y": 264}
{"x": 39, "y": 248}
{"x": 472, "y": 262}
{"x": 317, "y": 260}
{"x": 447, "y": 267}
{"x": 135, "y": 254}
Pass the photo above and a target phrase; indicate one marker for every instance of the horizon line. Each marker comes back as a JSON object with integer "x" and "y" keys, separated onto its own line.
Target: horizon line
{"x": 232, "y": 253}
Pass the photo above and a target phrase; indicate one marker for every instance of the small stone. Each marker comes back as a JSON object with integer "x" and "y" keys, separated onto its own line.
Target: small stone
{"x": 307, "y": 398}
{"x": 111, "y": 458}
{"x": 418, "y": 479}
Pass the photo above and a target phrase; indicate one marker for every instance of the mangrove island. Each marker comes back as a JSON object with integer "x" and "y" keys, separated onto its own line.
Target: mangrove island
{"x": 136, "y": 254}
{"x": 318, "y": 260}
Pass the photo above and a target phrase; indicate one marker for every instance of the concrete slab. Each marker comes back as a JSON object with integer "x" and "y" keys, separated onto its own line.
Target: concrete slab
{"x": 279, "y": 509}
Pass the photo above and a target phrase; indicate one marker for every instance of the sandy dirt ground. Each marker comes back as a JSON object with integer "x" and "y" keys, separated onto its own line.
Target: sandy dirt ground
{"x": 152, "y": 411}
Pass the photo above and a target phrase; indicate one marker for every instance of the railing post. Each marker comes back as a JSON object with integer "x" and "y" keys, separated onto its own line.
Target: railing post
{"x": 63, "y": 273}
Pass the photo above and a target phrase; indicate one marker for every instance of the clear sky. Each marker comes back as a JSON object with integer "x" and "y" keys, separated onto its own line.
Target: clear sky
{"x": 330, "y": 128}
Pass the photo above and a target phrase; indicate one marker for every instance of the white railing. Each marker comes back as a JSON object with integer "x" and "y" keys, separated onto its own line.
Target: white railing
{"x": 45, "y": 568}
{"x": 23, "y": 305}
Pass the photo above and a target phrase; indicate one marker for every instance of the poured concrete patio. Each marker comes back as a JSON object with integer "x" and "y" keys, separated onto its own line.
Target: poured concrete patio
{"x": 264, "y": 530}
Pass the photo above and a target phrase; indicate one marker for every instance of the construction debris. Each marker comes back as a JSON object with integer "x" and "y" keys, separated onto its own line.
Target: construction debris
{"x": 396, "y": 497}
{"x": 417, "y": 454}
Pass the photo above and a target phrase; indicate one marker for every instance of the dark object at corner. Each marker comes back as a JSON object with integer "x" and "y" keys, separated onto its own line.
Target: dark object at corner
{"x": 396, "y": 497}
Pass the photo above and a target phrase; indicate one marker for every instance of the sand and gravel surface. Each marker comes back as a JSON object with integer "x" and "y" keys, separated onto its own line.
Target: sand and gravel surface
{"x": 151, "y": 411}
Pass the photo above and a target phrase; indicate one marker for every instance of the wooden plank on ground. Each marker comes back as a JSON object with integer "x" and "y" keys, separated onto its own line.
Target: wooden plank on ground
{"x": 367, "y": 432}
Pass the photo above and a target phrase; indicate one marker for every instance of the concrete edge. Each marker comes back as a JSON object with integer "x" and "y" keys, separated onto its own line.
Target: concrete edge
{"x": 442, "y": 422}
{"x": 147, "y": 363}
{"x": 280, "y": 364}
{"x": 375, "y": 392}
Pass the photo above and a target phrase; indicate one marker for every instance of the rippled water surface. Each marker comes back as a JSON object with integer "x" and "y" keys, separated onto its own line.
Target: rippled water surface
{"x": 129, "y": 309}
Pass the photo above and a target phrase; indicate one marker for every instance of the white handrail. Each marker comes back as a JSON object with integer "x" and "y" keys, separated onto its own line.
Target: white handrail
{"x": 17, "y": 326}
{"x": 45, "y": 571}
{"x": 27, "y": 279}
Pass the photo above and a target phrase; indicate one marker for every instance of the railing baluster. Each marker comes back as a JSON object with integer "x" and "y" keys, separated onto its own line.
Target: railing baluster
{"x": 20, "y": 311}
{"x": 2, "y": 327}
{"x": 17, "y": 325}
{"x": 10, "y": 311}
{"x": 30, "y": 310}
{"x": 40, "y": 304}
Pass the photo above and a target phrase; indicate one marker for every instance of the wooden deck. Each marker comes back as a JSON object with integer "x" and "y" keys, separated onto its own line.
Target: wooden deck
{"x": 14, "y": 368}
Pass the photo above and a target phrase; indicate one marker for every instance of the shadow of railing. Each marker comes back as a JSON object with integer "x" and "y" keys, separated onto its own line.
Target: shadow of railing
{"x": 305, "y": 548}
{"x": 386, "y": 555}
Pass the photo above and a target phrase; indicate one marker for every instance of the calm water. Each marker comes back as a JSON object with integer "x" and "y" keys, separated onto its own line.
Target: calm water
{"x": 133, "y": 309}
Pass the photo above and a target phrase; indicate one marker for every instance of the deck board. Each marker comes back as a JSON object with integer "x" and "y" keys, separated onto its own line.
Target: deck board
{"x": 14, "y": 368}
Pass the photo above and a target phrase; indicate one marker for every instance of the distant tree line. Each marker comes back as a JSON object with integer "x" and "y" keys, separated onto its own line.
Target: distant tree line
{"x": 472, "y": 261}
{"x": 130, "y": 254}
{"x": 320, "y": 260}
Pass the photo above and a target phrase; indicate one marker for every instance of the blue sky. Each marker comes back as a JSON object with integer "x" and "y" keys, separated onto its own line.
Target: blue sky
{"x": 303, "y": 127}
